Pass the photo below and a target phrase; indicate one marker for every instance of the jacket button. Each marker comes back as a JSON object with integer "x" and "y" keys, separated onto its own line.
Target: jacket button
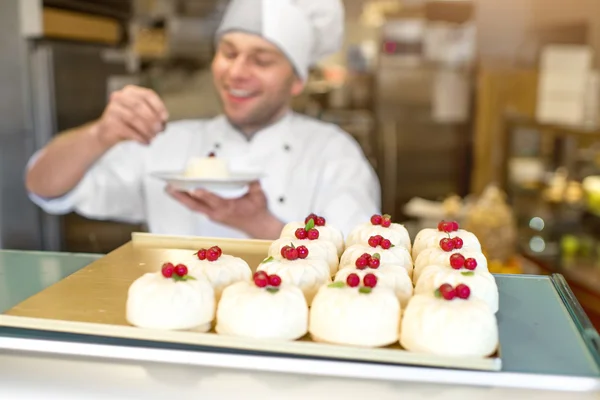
{"x": 286, "y": 147}
{"x": 217, "y": 145}
{"x": 282, "y": 199}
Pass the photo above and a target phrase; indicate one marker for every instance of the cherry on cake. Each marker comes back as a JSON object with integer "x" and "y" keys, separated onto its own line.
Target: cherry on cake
{"x": 395, "y": 278}
{"x": 442, "y": 255}
{"x": 449, "y": 322}
{"x": 326, "y": 231}
{"x": 463, "y": 271}
{"x": 211, "y": 167}
{"x": 428, "y": 238}
{"x": 221, "y": 269}
{"x": 387, "y": 254}
{"x": 358, "y": 312}
{"x": 296, "y": 268}
{"x": 265, "y": 308}
{"x": 309, "y": 237}
{"x": 381, "y": 225}
{"x": 171, "y": 299}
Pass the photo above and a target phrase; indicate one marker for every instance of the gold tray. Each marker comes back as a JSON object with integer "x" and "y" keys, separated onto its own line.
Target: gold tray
{"x": 92, "y": 302}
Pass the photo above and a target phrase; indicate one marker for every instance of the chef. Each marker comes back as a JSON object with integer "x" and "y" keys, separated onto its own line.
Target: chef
{"x": 264, "y": 50}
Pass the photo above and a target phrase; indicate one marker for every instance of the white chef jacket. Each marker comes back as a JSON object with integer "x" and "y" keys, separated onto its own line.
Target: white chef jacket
{"x": 308, "y": 166}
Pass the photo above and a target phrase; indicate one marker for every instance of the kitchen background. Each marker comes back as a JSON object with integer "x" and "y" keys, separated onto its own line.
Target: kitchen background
{"x": 481, "y": 110}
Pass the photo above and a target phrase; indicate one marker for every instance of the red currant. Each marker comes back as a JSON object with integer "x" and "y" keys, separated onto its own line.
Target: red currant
{"x": 455, "y": 226}
{"x": 301, "y": 233}
{"x": 284, "y": 250}
{"x": 386, "y": 222}
{"x": 218, "y": 250}
{"x": 212, "y": 255}
{"x": 261, "y": 280}
{"x": 463, "y": 291}
{"x": 374, "y": 262}
{"x": 373, "y": 241}
{"x": 311, "y": 216}
{"x": 470, "y": 264}
{"x": 274, "y": 280}
{"x": 362, "y": 262}
{"x": 291, "y": 254}
{"x": 447, "y": 244}
{"x": 447, "y": 291}
{"x": 457, "y": 261}
{"x": 201, "y": 254}
{"x": 313, "y": 234}
{"x": 376, "y": 220}
{"x": 302, "y": 252}
{"x": 353, "y": 280}
{"x": 370, "y": 280}
{"x": 320, "y": 221}
{"x": 386, "y": 244}
{"x": 458, "y": 243}
{"x": 441, "y": 226}
{"x": 259, "y": 273}
{"x": 167, "y": 270}
{"x": 181, "y": 270}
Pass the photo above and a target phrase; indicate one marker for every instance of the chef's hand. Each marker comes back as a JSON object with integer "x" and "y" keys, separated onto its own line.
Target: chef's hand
{"x": 249, "y": 213}
{"x": 133, "y": 113}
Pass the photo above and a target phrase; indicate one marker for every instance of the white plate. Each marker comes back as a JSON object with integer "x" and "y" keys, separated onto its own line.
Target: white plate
{"x": 234, "y": 186}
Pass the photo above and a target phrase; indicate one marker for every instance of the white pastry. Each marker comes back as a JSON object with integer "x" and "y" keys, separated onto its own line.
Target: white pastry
{"x": 318, "y": 249}
{"x": 156, "y": 302}
{"x": 223, "y": 272}
{"x": 482, "y": 283}
{"x": 430, "y": 238}
{"x": 326, "y": 232}
{"x": 461, "y": 328}
{"x": 396, "y": 233}
{"x": 437, "y": 256}
{"x": 207, "y": 167}
{"x": 308, "y": 274}
{"x": 397, "y": 256}
{"x": 344, "y": 315}
{"x": 249, "y": 311}
{"x": 395, "y": 278}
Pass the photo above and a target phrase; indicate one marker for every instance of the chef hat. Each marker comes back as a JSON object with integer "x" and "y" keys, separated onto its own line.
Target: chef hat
{"x": 304, "y": 30}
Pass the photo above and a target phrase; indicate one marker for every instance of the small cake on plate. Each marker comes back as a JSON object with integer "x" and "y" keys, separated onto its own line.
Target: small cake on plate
{"x": 265, "y": 308}
{"x": 396, "y": 278}
{"x": 441, "y": 255}
{"x": 382, "y": 226}
{"x": 352, "y": 314}
{"x": 296, "y": 268}
{"x": 221, "y": 269}
{"x": 428, "y": 238}
{"x": 210, "y": 167}
{"x": 318, "y": 249}
{"x": 463, "y": 270}
{"x": 326, "y": 231}
{"x": 387, "y": 254}
{"x": 171, "y": 300}
{"x": 449, "y": 322}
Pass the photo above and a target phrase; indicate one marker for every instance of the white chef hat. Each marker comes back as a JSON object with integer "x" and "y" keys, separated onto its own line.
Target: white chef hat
{"x": 304, "y": 30}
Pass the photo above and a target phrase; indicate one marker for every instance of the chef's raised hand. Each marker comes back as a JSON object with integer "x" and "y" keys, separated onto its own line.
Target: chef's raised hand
{"x": 133, "y": 113}
{"x": 248, "y": 213}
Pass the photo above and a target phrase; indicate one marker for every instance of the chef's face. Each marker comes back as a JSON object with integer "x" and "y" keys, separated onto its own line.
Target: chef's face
{"x": 254, "y": 79}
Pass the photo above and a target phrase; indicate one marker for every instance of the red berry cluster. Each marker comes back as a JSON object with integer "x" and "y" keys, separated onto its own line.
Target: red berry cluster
{"x": 293, "y": 253}
{"x": 458, "y": 261}
{"x": 319, "y": 221}
{"x": 311, "y": 234}
{"x": 448, "y": 292}
{"x": 262, "y": 279}
{"x": 383, "y": 220}
{"x": 168, "y": 269}
{"x": 211, "y": 254}
{"x": 449, "y": 244}
{"x": 448, "y": 226}
{"x": 378, "y": 240}
{"x": 369, "y": 280}
{"x": 368, "y": 261}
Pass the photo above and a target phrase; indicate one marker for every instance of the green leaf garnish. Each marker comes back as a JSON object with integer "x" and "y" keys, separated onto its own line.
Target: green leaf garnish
{"x": 377, "y": 256}
{"x": 272, "y": 290}
{"x": 309, "y": 225}
{"x": 468, "y": 273}
{"x": 437, "y": 293}
{"x": 393, "y": 245}
{"x": 387, "y": 216}
{"x": 267, "y": 260}
{"x": 365, "y": 289}
{"x": 183, "y": 278}
{"x": 338, "y": 284}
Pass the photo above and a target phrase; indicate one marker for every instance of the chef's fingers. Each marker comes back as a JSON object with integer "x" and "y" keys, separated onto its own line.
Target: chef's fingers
{"x": 212, "y": 200}
{"x": 254, "y": 187}
{"x": 151, "y": 99}
{"x": 189, "y": 202}
{"x": 140, "y": 110}
{"x": 139, "y": 129}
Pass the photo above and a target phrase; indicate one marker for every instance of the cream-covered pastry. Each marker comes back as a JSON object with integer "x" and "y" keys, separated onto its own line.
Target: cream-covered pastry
{"x": 397, "y": 256}
{"x": 437, "y": 256}
{"x": 326, "y": 232}
{"x": 355, "y": 315}
{"x": 171, "y": 300}
{"x": 430, "y": 238}
{"x": 482, "y": 283}
{"x": 207, "y": 167}
{"x": 263, "y": 309}
{"x": 382, "y": 226}
{"x": 318, "y": 250}
{"x": 221, "y": 269}
{"x": 458, "y": 327}
{"x": 395, "y": 278}
{"x": 309, "y": 274}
